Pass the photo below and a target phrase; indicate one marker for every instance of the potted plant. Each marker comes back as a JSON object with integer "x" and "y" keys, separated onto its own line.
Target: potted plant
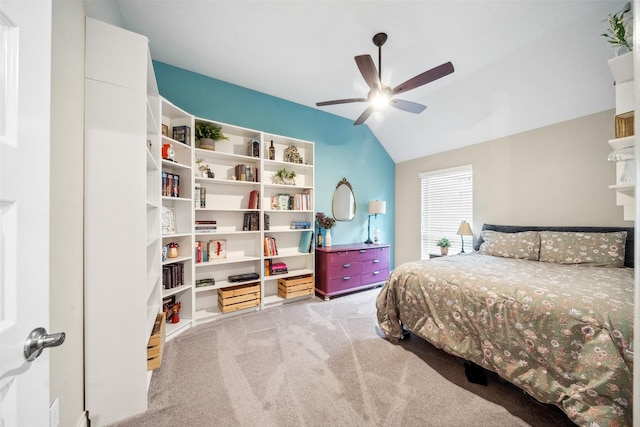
{"x": 619, "y": 33}
{"x": 285, "y": 176}
{"x": 324, "y": 223}
{"x": 444, "y": 245}
{"x": 208, "y": 134}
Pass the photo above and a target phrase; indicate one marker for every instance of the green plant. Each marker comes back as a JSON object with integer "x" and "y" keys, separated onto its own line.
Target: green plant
{"x": 285, "y": 174}
{"x": 209, "y": 130}
{"x": 443, "y": 243}
{"x": 619, "y": 31}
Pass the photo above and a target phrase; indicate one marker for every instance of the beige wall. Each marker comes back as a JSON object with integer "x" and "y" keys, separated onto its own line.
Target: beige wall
{"x": 556, "y": 175}
{"x": 66, "y": 209}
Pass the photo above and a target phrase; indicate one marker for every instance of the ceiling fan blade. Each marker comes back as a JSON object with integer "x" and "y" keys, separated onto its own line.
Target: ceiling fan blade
{"x": 340, "y": 101}
{"x": 368, "y": 71}
{"x": 408, "y": 106}
{"x": 364, "y": 116}
{"x": 424, "y": 78}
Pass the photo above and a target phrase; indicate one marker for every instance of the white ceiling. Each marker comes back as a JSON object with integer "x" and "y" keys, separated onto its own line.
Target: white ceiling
{"x": 519, "y": 65}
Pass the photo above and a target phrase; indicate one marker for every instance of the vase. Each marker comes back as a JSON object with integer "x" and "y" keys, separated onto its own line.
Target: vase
{"x": 327, "y": 237}
{"x": 444, "y": 250}
{"x": 207, "y": 144}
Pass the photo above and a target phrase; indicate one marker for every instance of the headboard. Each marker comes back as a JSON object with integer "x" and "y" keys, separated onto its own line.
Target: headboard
{"x": 629, "y": 244}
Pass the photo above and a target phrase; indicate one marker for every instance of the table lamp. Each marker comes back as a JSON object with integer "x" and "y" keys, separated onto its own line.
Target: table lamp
{"x": 375, "y": 207}
{"x": 464, "y": 230}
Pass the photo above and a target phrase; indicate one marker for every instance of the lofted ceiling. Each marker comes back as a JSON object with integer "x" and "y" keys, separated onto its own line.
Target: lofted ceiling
{"x": 519, "y": 64}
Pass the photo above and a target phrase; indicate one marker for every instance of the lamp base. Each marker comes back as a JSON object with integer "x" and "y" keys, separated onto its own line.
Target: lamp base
{"x": 368, "y": 241}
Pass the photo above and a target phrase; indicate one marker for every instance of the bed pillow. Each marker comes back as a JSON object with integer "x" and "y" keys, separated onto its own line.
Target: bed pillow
{"x": 591, "y": 249}
{"x": 523, "y": 245}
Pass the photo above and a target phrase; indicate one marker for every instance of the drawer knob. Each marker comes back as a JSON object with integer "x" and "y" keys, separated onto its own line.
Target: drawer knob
{"x": 363, "y": 251}
{"x": 376, "y": 272}
{"x": 375, "y": 261}
{"x": 346, "y": 265}
{"x": 346, "y": 278}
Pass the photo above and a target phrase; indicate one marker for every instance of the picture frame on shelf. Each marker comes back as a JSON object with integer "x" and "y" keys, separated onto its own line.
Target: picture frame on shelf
{"x": 168, "y": 221}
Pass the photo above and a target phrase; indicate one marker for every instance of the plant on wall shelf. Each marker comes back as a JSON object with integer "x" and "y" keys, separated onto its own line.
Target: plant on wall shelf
{"x": 619, "y": 32}
{"x": 285, "y": 176}
{"x": 209, "y": 130}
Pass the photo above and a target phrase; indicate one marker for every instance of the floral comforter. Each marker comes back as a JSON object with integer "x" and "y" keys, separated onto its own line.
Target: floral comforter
{"x": 561, "y": 333}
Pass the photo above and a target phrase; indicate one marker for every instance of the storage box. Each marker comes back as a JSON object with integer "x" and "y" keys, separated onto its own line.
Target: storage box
{"x": 292, "y": 287}
{"x": 239, "y": 297}
{"x": 624, "y": 124}
{"x": 155, "y": 346}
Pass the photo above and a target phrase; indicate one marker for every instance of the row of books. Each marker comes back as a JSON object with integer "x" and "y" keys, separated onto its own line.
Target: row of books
{"x": 172, "y": 275}
{"x": 200, "y": 196}
{"x": 170, "y": 184}
{"x": 206, "y": 251}
{"x": 295, "y": 202}
{"x": 254, "y": 200}
{"x": 270, "y": 246}
{"x": 205, "y": 226}
{"x": 246, "y": 173}
{"x": 251, "y": 221}
{"x": 272, "y": 268}
{"x": 300, "y": 225}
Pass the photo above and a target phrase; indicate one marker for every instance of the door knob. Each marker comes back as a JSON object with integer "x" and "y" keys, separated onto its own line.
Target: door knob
{"x": 38, "y": 340}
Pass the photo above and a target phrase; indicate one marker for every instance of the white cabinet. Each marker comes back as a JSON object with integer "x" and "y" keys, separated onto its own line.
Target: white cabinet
{"x": 119, "y": 222}
{"x": 622, "y": 70}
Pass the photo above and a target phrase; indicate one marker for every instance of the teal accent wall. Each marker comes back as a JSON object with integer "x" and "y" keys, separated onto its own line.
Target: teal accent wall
{"x": 341, "y": 149}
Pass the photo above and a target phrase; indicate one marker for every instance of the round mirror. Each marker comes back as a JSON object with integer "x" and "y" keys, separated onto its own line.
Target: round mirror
{"x": 344, "y": 202}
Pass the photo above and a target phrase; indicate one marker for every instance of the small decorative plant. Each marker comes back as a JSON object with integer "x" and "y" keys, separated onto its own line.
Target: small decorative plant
{"x": 619, "y": 32}
{"x": 443, "y": 243}
{"x": 204, "y": 168}
{"x": 209, "y": 130}
{"x": 324, "y": 221}
{"x": 285, "y": 176}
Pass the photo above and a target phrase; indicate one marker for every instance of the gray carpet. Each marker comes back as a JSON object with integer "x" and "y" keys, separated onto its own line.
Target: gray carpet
{"x": 318, "y": 363}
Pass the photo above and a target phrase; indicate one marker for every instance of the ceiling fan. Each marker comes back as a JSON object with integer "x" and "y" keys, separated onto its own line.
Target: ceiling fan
{"x": 380, "y": 94}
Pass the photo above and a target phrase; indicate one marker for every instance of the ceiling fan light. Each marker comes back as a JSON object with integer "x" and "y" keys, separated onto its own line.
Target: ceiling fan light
{"x": 380, "y": 100}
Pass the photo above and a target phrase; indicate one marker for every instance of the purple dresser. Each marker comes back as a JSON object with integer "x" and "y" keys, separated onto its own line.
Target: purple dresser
{"x": 346, "y": 268}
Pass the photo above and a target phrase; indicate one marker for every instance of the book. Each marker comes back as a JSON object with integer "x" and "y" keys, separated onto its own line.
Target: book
{"x": 196, "y": 196}
{"x": 306, "y": 237}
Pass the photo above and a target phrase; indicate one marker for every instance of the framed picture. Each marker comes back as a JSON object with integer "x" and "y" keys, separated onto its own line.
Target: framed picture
{"x": 168, "y": 221}
{"x": 165, "y": 130}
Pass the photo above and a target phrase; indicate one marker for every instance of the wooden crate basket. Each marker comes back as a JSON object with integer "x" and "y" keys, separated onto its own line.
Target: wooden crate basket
{"x": 239, "y": 297}
{"x": 624, "y": 124}
{"x": 155, "y": 346}
{"x": 292, "y": 287}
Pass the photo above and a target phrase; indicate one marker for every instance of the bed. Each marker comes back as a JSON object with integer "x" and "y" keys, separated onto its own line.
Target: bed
{"x": 549, "y": 309}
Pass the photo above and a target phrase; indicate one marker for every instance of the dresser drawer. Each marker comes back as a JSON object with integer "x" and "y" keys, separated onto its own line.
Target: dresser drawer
{"x": 335, "y": 258}
{"x": 375, "y": 276}
{"x": 358, "y": 255}
{"x": 375, "y": 264}
{"x": 344, "y": 269}
{"x": 344, "y": 283}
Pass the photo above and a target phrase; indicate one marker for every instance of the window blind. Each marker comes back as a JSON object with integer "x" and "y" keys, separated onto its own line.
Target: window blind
{"x": 446, "y": 201}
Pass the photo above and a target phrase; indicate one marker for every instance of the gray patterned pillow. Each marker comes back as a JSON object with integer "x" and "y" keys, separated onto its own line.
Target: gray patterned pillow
{"x": 594, "y": 249}
{"x": 523, "y": 245}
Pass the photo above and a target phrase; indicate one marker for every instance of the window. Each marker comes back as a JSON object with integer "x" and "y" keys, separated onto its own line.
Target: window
{"x": 446, "y": 201}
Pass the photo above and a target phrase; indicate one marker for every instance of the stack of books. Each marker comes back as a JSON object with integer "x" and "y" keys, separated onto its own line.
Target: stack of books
{"x": 205, "y": 226}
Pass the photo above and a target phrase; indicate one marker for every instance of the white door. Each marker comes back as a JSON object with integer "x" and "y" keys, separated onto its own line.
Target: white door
{"x": 25, "y": 87}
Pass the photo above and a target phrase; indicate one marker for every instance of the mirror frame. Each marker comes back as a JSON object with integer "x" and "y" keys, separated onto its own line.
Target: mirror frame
{"x": 346, "y": 183}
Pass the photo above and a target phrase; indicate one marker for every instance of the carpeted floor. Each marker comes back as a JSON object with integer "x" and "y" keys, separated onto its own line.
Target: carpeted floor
{"x": 323, "y": 363}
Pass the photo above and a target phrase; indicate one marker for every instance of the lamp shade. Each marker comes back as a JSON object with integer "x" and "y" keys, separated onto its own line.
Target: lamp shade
{"x": 377, "y": 207}
{"x": 464, "y": 229}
